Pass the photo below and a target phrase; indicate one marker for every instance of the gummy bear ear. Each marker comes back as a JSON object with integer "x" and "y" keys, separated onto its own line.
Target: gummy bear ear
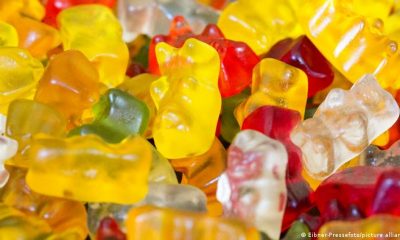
{"x": 204, "y": 59}
{"x": 164, "y": 54}
{"x": 158, "y": 90}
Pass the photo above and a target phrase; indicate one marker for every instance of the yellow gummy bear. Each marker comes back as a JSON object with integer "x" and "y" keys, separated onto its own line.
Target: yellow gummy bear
{"x": 275, "y": 83}
{"x": 392, "y": 26}
{"x": 94, "y": 30}
{"x": 352, "y": 43}
{"x": 260, "y": 24}
{"x": 29, "y": 8}
{"x": 187, "y": 99}
{"x": 85, "y": 168}
{"x": 8, "y": 35}
{"x": 19, "y": 74}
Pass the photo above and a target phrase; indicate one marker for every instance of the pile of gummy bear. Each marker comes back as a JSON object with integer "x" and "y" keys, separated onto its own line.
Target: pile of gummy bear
{"x": 199, "y": 119}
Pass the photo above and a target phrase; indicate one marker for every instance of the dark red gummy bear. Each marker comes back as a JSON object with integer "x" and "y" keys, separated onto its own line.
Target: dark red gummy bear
{"x": 109, "y": 230}
{"x": 54, "y": 7}
{"x": 237, "y": 58}
{"x": 278, "y": 123}
{"x": 301, "y": 53}
{"x": 362, "y": 190}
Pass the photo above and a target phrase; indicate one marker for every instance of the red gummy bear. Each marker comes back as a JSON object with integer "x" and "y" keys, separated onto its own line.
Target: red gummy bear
{"x": 278, "y": 123}
{"x": 237, "y": 58}
{"x": 301, "y": 53}
{"x": 109, "y": 230}
{"x": 365, "y": 189}
{"x": 54, "y": 7}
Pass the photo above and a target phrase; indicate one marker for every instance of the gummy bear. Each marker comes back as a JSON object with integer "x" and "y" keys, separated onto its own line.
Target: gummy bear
{"x": 109, "y": 229}
{"x": 70, "y": 84}
{"x": 173, "y": 196}
{"x": 354, "y": 45}
{"x": 363, "y": 189}
{"x": 94, "y": 30}
{"x": 237, "y": 59}
{"x": 19, "y": 79}
{"x": 60, "y": 214}
{"x": 116, "y": 116}
{"x": 163, "y": 223}
{"x": 38, "y": 38}
{"x": 187, "y": 99}
{"x": 278, "y": 123}
{"x": 275, "y": 83}
{"x": 260, "y": 24}
{"x": 153, "y": 17}
{"x": 54, "y": 7}
{"x": 16, "y": 225}
{"x": 255, "y": 163}
{"x": 371, "y": 228}
{"x": 29, "y": 8}
{"x": 139, "y": 86}
{"x": 75, "y": 167}
{"x": 301, "y": 53}
{"x": 21, "y": 127}
{"x": 8, "y": 35}
{"x": 203, "y": 172}
{"x": 344, "y": 125}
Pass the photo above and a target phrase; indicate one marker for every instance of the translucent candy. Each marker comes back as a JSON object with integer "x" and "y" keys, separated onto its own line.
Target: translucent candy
{"x": 8, "y": 35}
{"x": 344, "y": 125}
{"x": 352, "y": 43}
{"x": 19, "y": 74}
{"x": 94, "y": 30}
{"x": 260, "y": 24}
{"x": 153, "y": 17}
{"x": 174, "y": 196}
{"x": 187, "y": 99}
{"x": 275, "y": 83}
{"x": 149, "y": 222}
{"x": 74, "y": 168}
{"x": 255, "y": 163}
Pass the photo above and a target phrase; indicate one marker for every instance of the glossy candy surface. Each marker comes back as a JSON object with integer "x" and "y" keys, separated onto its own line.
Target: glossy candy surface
{"x": 174, "y": 196}
{"x": 237, "y": 59}
{"x": 275, "y": 83}
{"x": 203, "y": 172}
{"x": 350, "y": 42}
{"x": 38, "y": 38}
{"x": 159, "y": 223}
{"x": 19, "y": 79}
{"x": 21, "y": 127}
{"x": 260, "y": 24}
{"x": 187, "y": 99}
{"x": 60, "y": 214}
{"x": 8, "y": 35}
{"x": 255, "y": 163}
{"x": 54, "y": 7}
{"x": 152, "y": 17}
{"x": 109, "y": 53}
{"x": 343, "y": 126}
{"x": 301, "y": 53}
{"x": 139, "y": 87}
{"x": 117, "y": 115}
{"x": 72, "y": 168}
{"x": 371, "y": 228}
{"x": 278, "y": 123}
